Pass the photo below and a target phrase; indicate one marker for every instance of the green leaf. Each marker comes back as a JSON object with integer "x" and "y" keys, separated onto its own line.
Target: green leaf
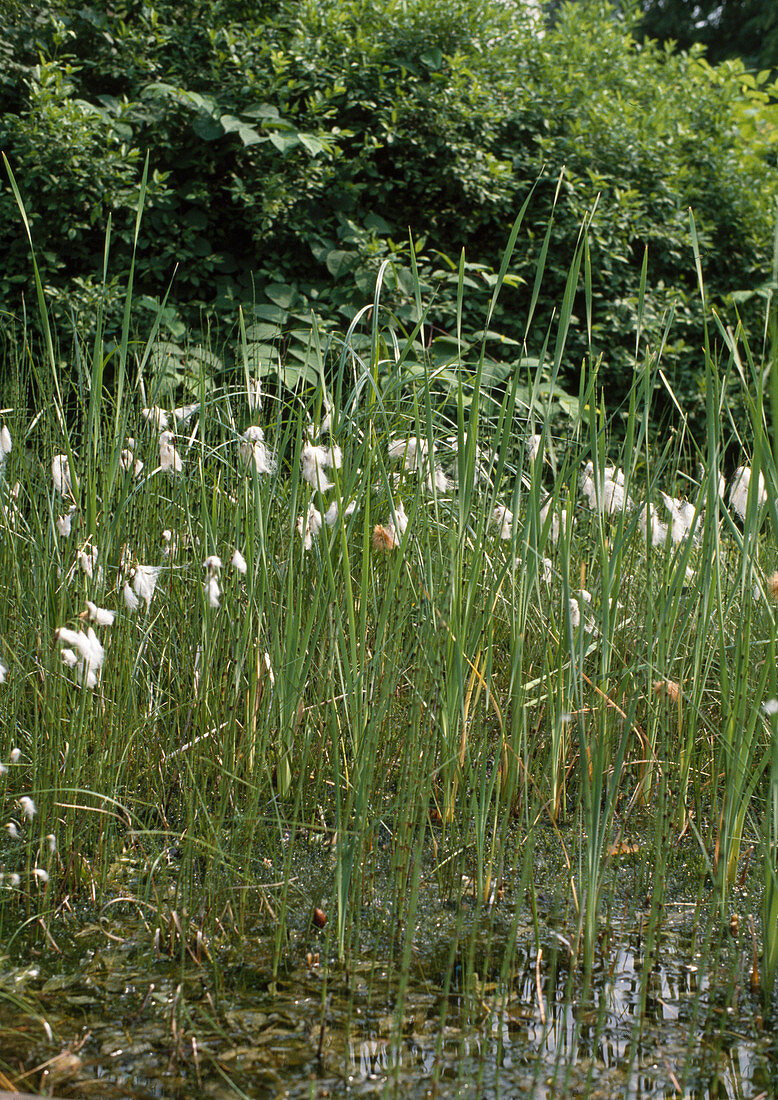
{"x": 292, "y": 374}
{"x": 432, "y": 58}
{"x": 340, "y": 262}
{"x": 206, "y": 126}
{"x": 284, "y": 141}
{"x": 249, "y": 136}
{"x": 311, "y": 144}
{"x": 281, "y": 294}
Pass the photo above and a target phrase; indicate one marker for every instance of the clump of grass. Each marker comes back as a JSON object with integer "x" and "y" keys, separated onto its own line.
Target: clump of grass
{"x": 365, "y": 612}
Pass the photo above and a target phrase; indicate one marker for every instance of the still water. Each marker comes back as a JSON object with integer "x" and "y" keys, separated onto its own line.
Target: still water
{"x": 127, "y": 1021}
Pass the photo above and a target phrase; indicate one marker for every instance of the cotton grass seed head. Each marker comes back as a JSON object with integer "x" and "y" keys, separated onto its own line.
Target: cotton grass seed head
{"x": 738, "y": 490}
{"x": 169, "y": 458}
{"x": 27, "y": 806}
{"x": 384, "y": 538}
{"x": 6, "y": 443}
{"x": 144, "y": 581}
{"x": 532, "y": 446}
{"x": 65, "y": 523}
{"x": 239, "y": 562}
{"x": 100, "y": 615}
{"x": 309, "y": 526}
{"x": 69, "y": 657}
{"x": 315, "y": 459}
{"x": 503, "y": 518}
{"x": 253, "y": 449}
{"x": 131, "y": 601}
{"x": 212, "y": 591}
{"x": 60, "y": 476}
{"x": 184, "y": 413}
{"x": 668, "y": 689}
{"x": 155, "y": 417}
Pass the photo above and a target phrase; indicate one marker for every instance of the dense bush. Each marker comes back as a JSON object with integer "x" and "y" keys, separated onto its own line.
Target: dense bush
{"x": 293, "y": 146}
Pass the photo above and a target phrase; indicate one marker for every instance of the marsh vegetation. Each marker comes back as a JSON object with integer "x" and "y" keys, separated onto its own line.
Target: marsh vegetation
{"x": 405, "y": 693}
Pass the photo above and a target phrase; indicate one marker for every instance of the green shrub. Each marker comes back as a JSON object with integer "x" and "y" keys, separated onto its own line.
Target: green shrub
{"x": 293, "y": 149}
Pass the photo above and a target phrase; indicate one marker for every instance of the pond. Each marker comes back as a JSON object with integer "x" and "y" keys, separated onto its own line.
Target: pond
{"x": 129, "y": 1021}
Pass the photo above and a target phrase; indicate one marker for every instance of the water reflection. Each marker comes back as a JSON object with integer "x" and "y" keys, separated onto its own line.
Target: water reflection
{"x": 633, "y": 1037}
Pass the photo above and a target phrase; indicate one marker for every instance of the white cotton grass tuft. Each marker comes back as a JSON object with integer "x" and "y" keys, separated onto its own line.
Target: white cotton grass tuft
{"x": 170, "y": 543}
{"x": 69, "y": 657}
{"x": 12, "y": 830}
{"x": 654, "y": 530}
{"x": 129, "y": 462}
{"x": 333, "y": 513}
{"x": 131, "y": 601}
{"x": 6, "y": 443}
{"x": 41, "y": 875}
{"x": 27, "y": 806}
{"x": 415, "y": 455}
{"x": 502, "y": 516}
{"x": 770, "y": 707}
{"x": 610, "y": 496}
{"x": 254, "y": 394}
{"x": 87, "y": 559}
{"x": 574, "y": 611}
{"x": 682, "y": 513}
{"x": 254, "y": 449}
{"x": 156, "y": 418}
{"x": 65, "y": 523}
{"x": 436, "y": 481}
{"x": 558, "y": 523}
{"x": 412, "y": 451}
{"x": 60, "y": 476}
{"x": 309, "y": 526}
{"x": 144, "y": 582}
{"x": 314, "y": 459}
{"x": 238, "y": 562}
{"x": 399, "y": 520}
{"x": 482, "y": 467}
{"x": 99, "y": 615}
{"x": 3, "y": 673}
{"x": 90, "y": 651}
{"x": 169, "y": 458}
{"x": 532, "y": 446}
{"x": 16, "y": 755}
{"x": 184, "y": 413}
{"x": 738, "y": 490}
{"x": 212, "y": 591}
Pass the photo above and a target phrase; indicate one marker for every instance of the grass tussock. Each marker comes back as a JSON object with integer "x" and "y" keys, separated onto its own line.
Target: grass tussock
{"x": 396, "y": 618}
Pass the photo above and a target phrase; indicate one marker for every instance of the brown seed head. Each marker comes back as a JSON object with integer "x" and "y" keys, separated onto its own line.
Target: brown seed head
{"x": 384, "y": 538}
{"x": 670, "y": 688}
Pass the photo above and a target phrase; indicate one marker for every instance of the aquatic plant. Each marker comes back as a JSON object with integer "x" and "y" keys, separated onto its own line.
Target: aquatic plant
{"x": 392, "y": 618}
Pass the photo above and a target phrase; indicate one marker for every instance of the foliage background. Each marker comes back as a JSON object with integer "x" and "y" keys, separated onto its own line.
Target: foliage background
{"x": 293, "y": 147}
